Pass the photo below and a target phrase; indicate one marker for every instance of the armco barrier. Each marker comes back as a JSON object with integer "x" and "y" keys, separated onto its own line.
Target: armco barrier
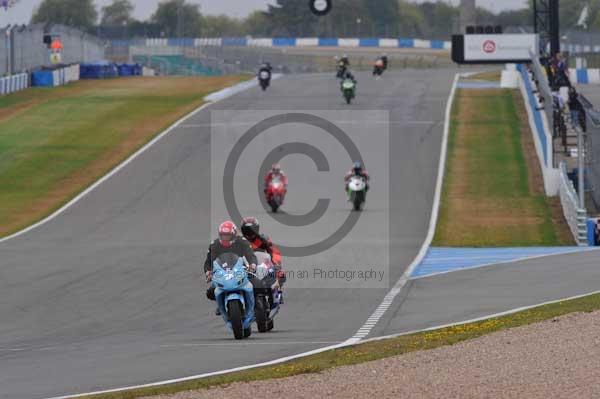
{"x": 542, "y": 136}
{"x": 11, "y": 84}
{"x": 56, "y": 77}
{"x": 296, "y": 42}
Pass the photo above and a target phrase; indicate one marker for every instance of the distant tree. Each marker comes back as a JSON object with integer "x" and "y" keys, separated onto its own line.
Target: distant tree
{"x": 384, "y": 16}
{"x": 75, "y": 13}
{"x": 411, "y": 21}
{"x": 117, "y": 13}
{"x": 221, "y": 26}
{"x": 290, "y": 18}
{"x": 350, "y": 19}
{"x": 257, "y": 24}
{"x": 175, "y": 15}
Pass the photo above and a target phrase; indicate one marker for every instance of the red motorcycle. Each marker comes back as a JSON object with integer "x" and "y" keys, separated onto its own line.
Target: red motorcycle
{"x": 276, "y": 193}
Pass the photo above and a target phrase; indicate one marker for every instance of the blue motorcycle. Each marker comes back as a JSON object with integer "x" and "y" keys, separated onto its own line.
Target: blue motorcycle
{"x": 234, "y": 294}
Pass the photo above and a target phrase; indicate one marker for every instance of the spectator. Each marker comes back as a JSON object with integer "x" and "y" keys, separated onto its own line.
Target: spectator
{"x": 575, "y": 108}
{"x": 561, "y": 71}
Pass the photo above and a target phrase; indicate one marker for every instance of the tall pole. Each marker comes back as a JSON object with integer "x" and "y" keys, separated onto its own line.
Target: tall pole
{"x": 581, "y": 166}
{"x": 554, "y": 28}
{"x": 180, "y": 19}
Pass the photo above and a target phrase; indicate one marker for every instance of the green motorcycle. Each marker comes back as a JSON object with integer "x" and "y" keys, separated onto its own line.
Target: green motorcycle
{"x": 349, "y": 90}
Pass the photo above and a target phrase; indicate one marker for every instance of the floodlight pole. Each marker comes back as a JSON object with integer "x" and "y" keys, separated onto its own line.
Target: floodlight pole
{"x": 546, "y": 23}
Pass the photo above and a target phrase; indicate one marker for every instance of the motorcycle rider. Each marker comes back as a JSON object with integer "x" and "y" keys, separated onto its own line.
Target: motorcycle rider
{"x": 345, "y": 61}
{"x": 342, "y": 66}
{"x": 379, "y": 67}
{"x": 384, "y": 59}
{"x": 357, "y": 170}
{"x": 259, "y": 242}
{"x": 228, "y": 242}
{"x": 266, "y": 66}
{"x": 275, "y": 172}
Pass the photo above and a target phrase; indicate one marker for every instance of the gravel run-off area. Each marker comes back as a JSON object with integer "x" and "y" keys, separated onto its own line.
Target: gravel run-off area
{"x": 558, "y": 358}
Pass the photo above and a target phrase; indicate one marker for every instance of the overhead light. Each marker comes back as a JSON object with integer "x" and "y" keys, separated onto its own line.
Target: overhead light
{"x": 320, "y": 7}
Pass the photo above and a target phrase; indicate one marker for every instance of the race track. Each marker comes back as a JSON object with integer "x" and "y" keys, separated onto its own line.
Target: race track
{"x": 111, "y": 292}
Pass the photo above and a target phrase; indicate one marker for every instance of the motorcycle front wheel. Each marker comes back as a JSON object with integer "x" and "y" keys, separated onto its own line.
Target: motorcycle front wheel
{"x": 359, "y": 199}
{"x": 235, "y": 314}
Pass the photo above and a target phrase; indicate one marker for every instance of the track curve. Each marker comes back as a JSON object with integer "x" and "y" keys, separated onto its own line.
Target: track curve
{"x": 111, "y": 293}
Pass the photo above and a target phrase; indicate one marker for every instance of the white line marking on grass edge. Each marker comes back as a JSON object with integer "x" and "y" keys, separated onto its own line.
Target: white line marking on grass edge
{"x": 389, "y": 298}
{"x": 211, "y": 98}
{"x": 349, "y": 342}
{"x": 505, "y": 262}
{"x": 482, "y": 318}
{"x": 385, "y": 304}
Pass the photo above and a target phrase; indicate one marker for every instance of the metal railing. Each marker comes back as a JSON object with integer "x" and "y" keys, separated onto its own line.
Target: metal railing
{"x": 576, "y": 217}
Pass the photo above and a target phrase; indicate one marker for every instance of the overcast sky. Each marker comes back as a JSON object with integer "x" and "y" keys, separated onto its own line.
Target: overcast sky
{"x": 21, "y": 13}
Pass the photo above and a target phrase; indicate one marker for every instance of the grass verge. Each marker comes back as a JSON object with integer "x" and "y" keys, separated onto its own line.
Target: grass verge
{"x": 493, "y": 195}
{"x": 375, "y": 350}
{"x": 55, "y": 142}
{"x": 492, "y": 76}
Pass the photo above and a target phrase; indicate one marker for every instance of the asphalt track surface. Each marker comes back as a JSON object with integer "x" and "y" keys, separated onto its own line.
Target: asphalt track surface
{"x": 111, "y": 292}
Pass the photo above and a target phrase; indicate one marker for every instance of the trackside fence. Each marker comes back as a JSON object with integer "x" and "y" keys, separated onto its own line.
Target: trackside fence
{"x": 576, "y": 217}
{"x": 14, "y": 83}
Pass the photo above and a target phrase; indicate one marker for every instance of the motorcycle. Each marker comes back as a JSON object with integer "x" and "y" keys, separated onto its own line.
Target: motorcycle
{"x": 267, "y": 294}
{"x": 378, "y": 69}
{"x": 348, "y": 90}
{"x": 234, "y": 294}
{"x": 357, "y": 191}
{"x": 264, "y": 78}
{"x": 276, "y": 194}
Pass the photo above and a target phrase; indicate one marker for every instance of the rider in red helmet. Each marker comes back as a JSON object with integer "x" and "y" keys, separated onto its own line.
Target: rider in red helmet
{"x": 259, "y": 242}
{"x": 228, "y": 242}
{"x": 275, "y": 172}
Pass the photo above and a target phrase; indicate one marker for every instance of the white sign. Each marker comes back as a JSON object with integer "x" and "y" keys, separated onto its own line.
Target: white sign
{"x": 500, "y": 47}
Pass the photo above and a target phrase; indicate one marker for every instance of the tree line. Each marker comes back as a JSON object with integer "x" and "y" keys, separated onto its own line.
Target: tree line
{"x": 291, "y": 18}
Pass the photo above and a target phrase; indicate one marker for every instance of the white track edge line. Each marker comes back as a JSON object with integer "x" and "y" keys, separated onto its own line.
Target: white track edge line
{"x": 388, "y": 299}
{"x": 347, "y": 343}
{"x": 505, "y": 262}
{"x": 482, "y": 318}
{"x": 228, "y": 92}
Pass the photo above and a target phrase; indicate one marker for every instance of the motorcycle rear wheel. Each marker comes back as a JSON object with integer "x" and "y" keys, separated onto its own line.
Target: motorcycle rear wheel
{"x": 261, "y": 311}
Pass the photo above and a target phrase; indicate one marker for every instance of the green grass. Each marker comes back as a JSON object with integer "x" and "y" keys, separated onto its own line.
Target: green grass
{"x": 55, "y": 142}
{"x": 374, "y": 350}
{"x": 487, "y": 199}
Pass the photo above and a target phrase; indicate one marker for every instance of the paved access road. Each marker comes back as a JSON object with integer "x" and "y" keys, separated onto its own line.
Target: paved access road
{"x": 111, "y": 292}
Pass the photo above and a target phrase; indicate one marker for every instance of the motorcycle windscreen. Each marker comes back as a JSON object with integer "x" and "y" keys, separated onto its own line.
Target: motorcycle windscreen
{"x": 228, "y": 260}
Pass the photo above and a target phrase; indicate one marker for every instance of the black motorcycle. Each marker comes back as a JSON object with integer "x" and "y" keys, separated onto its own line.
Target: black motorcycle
{"x": 267, "y": 293}
{"x": 264, "y": 79}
